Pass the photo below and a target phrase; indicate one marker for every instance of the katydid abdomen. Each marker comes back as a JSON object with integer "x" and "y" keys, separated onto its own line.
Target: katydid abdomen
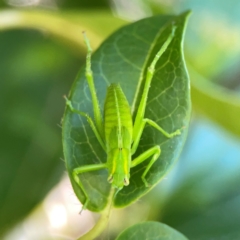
{"x": 118, "y": 129}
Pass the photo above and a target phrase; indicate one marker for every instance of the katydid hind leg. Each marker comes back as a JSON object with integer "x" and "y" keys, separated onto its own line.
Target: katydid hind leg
{"x": 160, "y": 129}
{"x": 149, "y": 77}
{"x": 155, "y": 153}
{"x": 140, "y": 121}
{"x": 83, "y": 169}
{"x": 155, "y": 125}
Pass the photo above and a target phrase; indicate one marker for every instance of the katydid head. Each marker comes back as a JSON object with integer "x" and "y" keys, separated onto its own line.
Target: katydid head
{"x": 118, "y": 180}
{"x": 119, "y": 167}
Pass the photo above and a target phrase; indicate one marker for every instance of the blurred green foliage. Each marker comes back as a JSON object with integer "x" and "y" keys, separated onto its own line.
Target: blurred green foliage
{"x": 35, "y": 74}
{"x": 84, "y": 4}
{"x": 201, "y": 197}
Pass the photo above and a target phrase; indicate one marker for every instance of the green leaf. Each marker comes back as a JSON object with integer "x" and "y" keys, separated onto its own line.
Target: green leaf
{"x": 151, "y": 231}
{"x": 124, "y": 58}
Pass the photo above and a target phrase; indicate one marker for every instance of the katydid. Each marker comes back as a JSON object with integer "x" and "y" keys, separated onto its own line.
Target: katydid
{"x": 117, "y": 132}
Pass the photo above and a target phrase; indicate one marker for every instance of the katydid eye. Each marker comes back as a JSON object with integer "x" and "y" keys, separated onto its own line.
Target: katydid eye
{"x": 126, "y": 181}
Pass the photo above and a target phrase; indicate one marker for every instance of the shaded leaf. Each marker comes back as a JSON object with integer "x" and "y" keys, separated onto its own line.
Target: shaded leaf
{"x": 151, "y": 231}
{"x": 123, "y": 58}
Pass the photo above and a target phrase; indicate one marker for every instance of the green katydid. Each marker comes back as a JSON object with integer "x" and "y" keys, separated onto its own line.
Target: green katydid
{"x": 117, "y": 132}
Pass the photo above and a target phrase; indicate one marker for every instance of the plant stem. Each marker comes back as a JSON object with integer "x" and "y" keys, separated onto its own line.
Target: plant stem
{"x": 102, "y": 222}
{"x": 55, "y": 24}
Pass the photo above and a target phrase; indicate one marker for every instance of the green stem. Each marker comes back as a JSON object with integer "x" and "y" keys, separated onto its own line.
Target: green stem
{"x": 102, "y": 222}
{"x": 53, "y": 23}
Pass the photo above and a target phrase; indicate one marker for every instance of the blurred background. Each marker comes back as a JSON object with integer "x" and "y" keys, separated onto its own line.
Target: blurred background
{"x": 41, "y": 51}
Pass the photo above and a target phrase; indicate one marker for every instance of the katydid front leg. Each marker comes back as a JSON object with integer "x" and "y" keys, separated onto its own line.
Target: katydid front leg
{"x": 90, "y": 121}
{"x": 97, "y": 129}
{"x": 91, "y": 167}
{"x": 83, "y": 169}
{"x": 90, "y": 80}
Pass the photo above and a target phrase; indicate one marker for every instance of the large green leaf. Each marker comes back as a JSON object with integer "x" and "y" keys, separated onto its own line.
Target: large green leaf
{"x": 151, "y": 231}
{"x": 123, "y": 58}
